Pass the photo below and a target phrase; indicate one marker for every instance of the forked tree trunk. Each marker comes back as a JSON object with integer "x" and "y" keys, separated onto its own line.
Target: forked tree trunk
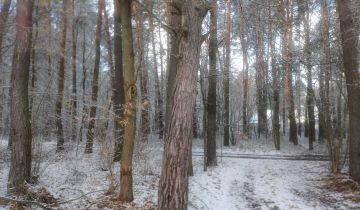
{"x": 126, "y": 180}
{"x": 95, "y": 82}
{"x": 211, "y": 159}
{"x": 352, "y": 75}
{"x": 117, "y": 84}
{"x": 20, "y": 134}
{"x": 61, "y": 79}
{"x": 173, "y": 186}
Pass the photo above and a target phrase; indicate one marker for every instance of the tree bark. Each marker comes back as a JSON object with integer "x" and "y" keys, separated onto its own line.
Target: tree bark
{"x": 95, "y": 82}
{"x": 126, "y": 180}
{"x": 173, "y": 186}
{"x": 211, "y": 98}
{"x": 117, "y": 84}
{"x": 352, "y": 75}
{"x": 20, "y": 135}
{"x": 61, "y": 79}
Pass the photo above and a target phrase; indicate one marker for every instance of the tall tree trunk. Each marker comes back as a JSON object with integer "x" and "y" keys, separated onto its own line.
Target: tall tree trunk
{"x": 4, "y": 14}
{"x": 159, "y": 124}
{"x": 352, "y": 75}
{"x": 95, "y": 82}
{"x": 173, "y": 186}
{"x": 20, "y": 134}
{"x": 244, "y": 48}
{"x": 287, "y": 42}
{"x": 33, "y": 57}
{"x": 173, "y": 19}
{"x": 226, "y": 74}
{"x": 211, "y": 98}
{"x": 275, "y": 86}
{"x": 309, "y": 90}
{"x": 143, "y": 73}
{"x": 260, "y": 74}
{"x": 117, "y": 83}
{"x": 83, "y": 83}
{"x": 61, "y": 79}
{"x": 126, "y": 180}
{"x": 74, "y": 77}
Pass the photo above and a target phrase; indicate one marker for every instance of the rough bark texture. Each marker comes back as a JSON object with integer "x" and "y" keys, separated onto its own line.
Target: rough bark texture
{"x": 226, "y": 74}
{"x": 117, "y": 83}
{"x": 61, "y": 79}
{"x": 173, "y": 186}
{"x": 352, "y": 75}
{"x": 126, "y": 180}
{"x": 174, "y": 20}
{"x": 211, "y": 98}
{"x": 20, "y": 135}
{"x": 95, "y": 82}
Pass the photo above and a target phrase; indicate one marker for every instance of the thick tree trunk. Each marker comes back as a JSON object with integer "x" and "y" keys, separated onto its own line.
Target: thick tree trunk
{"x": 173, "y": 186}
{"x": 126, "y": 180}
{"x": 173, "y": 19}
{"x": 211, "y": 98}
{"x": 117, "y": 84}
{"x": 226, "y": 74}
{"x": 351, "y": 63}
{"x": 61, "y": 79}
{"x": 95, "y": 82}
{"x": 20, "y": 134}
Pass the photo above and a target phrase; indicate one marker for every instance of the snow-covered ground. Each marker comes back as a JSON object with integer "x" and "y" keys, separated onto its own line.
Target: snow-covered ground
{"x": 79, "y": 182}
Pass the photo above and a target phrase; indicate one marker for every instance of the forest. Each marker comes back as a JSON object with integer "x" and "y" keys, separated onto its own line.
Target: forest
{"x": 180, "y": 104}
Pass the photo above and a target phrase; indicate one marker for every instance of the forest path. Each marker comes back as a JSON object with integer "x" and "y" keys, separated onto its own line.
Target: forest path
{"x": 238, "y": 183}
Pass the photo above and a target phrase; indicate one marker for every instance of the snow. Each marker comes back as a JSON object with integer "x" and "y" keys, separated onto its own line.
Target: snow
{"x": 236, "y": 183}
